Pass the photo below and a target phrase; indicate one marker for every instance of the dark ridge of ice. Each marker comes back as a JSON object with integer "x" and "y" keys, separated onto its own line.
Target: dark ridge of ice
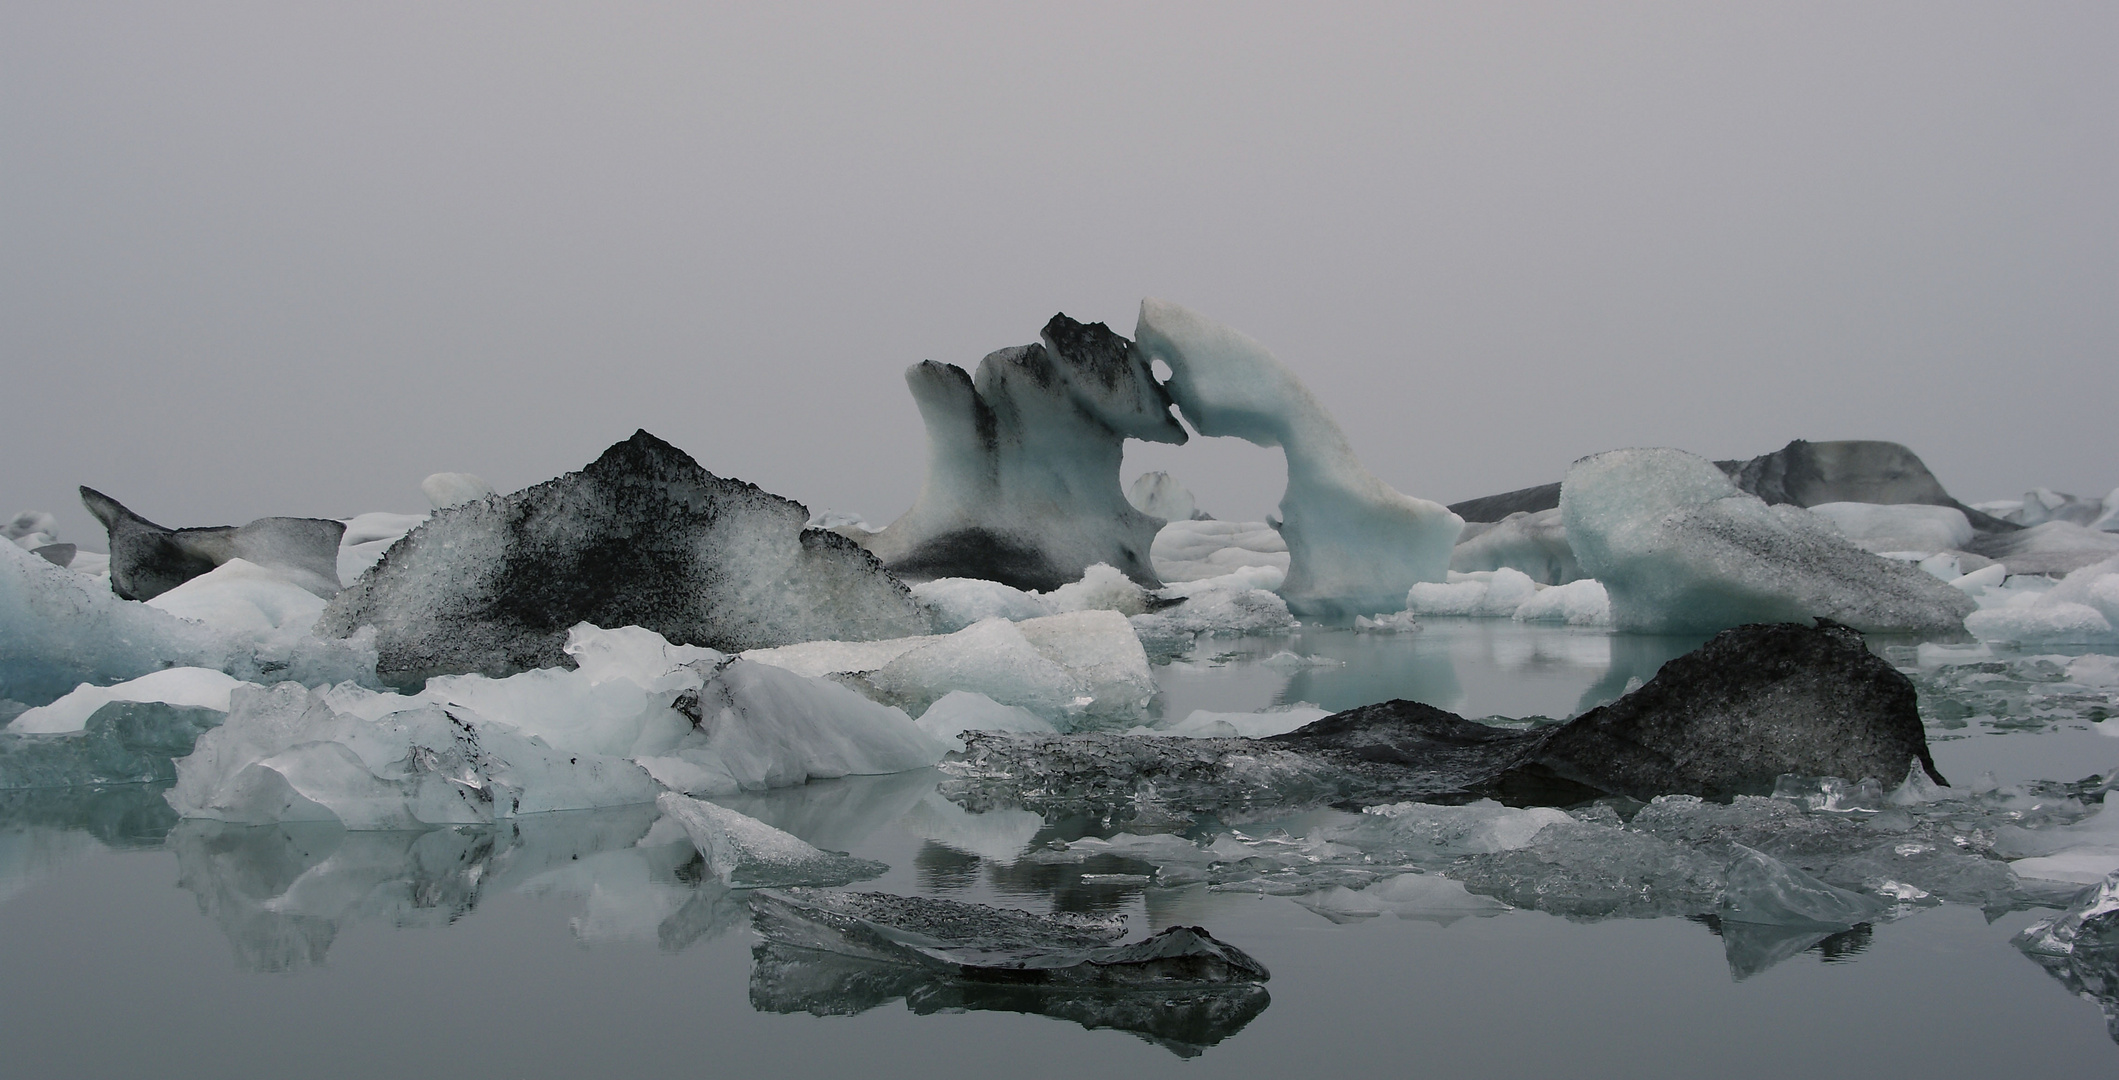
{"x": 643, "y": 536}
{"x": 147, "y": 560}
{"x": 1023, "y": 463}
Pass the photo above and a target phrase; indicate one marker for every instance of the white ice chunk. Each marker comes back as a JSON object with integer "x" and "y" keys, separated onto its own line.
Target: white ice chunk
{"x": 242, "y": 597}
{"x": 1577, "y": 603}
{"x": 447, "y": 489}
{"x": 960, "y": 711}
{"x": 1904, "y": 527}
{"x": 367, "y": 537}
{"x": 569, "y": 710}
{"x": 2093, "y": 670}
{"x": 196, "y": 687}
{"x": 1233, "y": 604}
{"x": 1492, "y": 594}
{"x": 2083, "y": 609}
{"x": 1196, "y": 550}
{"x": 1354, "y": 544}
{"x": 1101, "y": 588}
{"x": 642, "y": 657}
{"x": 959, "y": 602}
{"x": 762, "y": 727}
{"x": 1678, "y": 547}
{"x": 285, "y": 755}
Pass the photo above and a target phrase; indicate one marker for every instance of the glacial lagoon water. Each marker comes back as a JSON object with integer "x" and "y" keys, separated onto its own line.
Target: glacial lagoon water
{"x": 565, "y": 946}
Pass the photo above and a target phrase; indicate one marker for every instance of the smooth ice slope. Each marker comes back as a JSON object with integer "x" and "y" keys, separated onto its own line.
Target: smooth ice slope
{"x": 1677, "y": 547}
{"x": 745, "y": 852}
{"x": 1354, "y": 544}
{"x": 643, "y": 536}
{"x": 1904, "y": 527}
{"x": 1022, "y": 462}
{"x": 240, "y": 596}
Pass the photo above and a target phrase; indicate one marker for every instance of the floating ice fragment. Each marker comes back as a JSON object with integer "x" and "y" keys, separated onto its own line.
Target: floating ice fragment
{"x": 1762, "y": 889}
{"x": 745, "y": 852}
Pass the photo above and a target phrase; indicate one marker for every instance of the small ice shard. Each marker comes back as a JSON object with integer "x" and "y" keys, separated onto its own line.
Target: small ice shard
{"x": 147, "y": 560}
{"x": 122, "y": 742}
{"x": 1906, "y": 527}
{"x": 1205, "y": 548}
{"x": 190, "y": 687}
{"x": 446, "y": 489}
{"x": 1678, "y": 547}
{"x": 1354, "y": 544}
{"x": 1159, "y": 495}
{"x": 745, "y": 852}
{"x": 285, "y": 754}
{"x": 642, "y": 536}
{"x": 1535, "y": 544}
{"x": 1762, "y": 889}
{"x": 994, "y": 944}
{"x": 1022, "y": 468}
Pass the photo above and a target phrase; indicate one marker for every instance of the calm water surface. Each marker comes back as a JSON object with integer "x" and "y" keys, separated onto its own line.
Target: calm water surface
{"x": 584, "y": 944}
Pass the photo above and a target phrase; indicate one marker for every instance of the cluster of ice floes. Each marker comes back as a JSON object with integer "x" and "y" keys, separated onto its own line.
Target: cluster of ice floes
{"x": 2001, "y": 688}
{"x": 1166, "y": 620}
{"x": 1511, "y": 594}
{"x": 2080, "y": 609}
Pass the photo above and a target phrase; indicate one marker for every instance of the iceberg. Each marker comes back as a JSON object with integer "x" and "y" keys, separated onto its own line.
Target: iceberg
{"x": 1906, "y": 527}
{"x": 2083, "y": 609}
{"x": 1677, "y": 547}
{"x": 1761, "y": 889}
{"x": 122, "y": 742}
{"x": 285, "y": 754}
{"x": 2051, "y": 547}
{"x": 1200, "y": 549}
{"x": 64, "y": 629}
{"x": 1079, "y": 665}
{"x": 747, "y": 853}
{"x": 1023, "y": 461}
{"x": 241, "y": 597}
{"x": 1534, "y": 544}
{"x": 147, "y": 560}
{"x": 1354, "y": 544}
{"x": 643, "y": 537}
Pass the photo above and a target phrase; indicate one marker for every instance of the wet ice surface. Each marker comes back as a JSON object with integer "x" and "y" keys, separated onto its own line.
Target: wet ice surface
{"x": 590, "y": 942}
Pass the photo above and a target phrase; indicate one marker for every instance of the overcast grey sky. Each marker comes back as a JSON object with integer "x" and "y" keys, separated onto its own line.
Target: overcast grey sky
{"x": 285, "y": 258}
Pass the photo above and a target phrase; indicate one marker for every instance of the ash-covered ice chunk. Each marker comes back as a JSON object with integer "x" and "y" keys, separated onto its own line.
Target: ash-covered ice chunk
{"x": 1354, "y": 543}
{"x": 147, "y": 560}
{"x": 1678, "y": 547}
{"x": 1106, "y": 774}
{"x": 745, "y": 852}
{"x": 994, "y": 944}
{"x": 1023, "y": 457}
{"x": 643, "y": 537}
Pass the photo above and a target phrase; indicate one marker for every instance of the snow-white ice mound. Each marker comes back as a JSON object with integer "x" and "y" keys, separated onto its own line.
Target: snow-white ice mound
{"x": 1022, "y": 467}
{"x": 642, "y": 536}
{"x": 368, "y": 536}
{"x": 1196, "y": 550}
{"x": 285, "y": 754}
{"x": 1508, "y": 593}
{"x": 1535, "y": 544}
{"x": 2083, "y": 609}
{"x": 61, "y": 629}
{"x": 1354, "y": 544}
{"x": 240, "y": 596}
{"x": 1237, "y": 603}
{"x": 1678, "y": 547}
{"x": 956, "y": 603}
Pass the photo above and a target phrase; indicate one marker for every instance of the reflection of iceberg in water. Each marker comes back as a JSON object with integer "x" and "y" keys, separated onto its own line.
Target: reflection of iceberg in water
{"x": 43, "y": 830}
{"x": 1753, "y": 947}
{"x": 283, "y": 892}
{"x": 791, "y": 980}
{"x": 837, "y": 953}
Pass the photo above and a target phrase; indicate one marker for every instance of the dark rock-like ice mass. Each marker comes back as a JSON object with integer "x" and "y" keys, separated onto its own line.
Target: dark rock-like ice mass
{"x": 641, "y": 537}
{"x": 1753, "y": 704}
{"x": 147, "y": 560}
{"x": 1023, "y": 463}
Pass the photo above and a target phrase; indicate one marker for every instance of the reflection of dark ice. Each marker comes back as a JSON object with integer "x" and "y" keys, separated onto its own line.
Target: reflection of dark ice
{"x": 832, "y": 953}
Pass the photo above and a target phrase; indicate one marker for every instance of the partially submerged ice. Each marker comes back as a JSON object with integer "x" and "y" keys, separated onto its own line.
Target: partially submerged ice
{"x": 147, "y": 560}
{"x": 642, "y": 536}
{"x": 745, "y": 852}
{"x": 1023, "y": 462}
{"x": 1730, "y": 718}
{"x": 1678, "y": 547}
{"x": 1354, "y": 544}
{"x": 2083, "y": 609}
